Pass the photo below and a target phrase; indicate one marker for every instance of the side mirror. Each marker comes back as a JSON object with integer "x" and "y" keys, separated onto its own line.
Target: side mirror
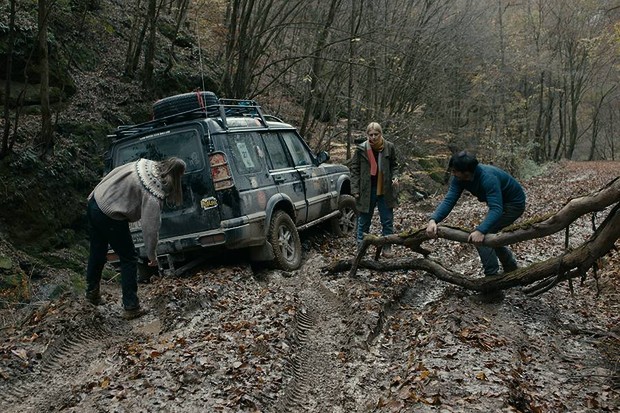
{"x": 322, "y": 157}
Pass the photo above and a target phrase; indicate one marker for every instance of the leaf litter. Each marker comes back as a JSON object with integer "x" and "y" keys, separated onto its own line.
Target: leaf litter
{"x": 227, "y": 339}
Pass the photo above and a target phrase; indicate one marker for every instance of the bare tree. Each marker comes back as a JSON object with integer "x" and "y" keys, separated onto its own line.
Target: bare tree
{"x": 45, "y": 140}
{"x": 253, "y": 27}
{"x": 6, "y": 146}
{"x": 180, "y": 17}
{"x": 314, "y": 95}
{"x": 136, "y": 39}
{"x": 354, "y": 26}
{"x": 596, "y": 121}
{"x": 152, "y": 17}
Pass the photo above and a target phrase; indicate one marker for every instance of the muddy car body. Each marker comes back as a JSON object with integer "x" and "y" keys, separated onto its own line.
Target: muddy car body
{"x": 251, "y": 181}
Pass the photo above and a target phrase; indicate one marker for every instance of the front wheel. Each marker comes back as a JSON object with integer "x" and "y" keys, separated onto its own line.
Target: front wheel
{"x": 284, "y": 238}
{"x": 346, "y": 223}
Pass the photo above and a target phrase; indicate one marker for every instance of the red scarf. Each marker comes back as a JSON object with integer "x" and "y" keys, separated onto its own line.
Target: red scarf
{"x": 374, "y": 167}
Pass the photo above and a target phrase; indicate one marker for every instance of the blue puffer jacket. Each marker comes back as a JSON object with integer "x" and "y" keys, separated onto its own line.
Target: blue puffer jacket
{"x": 489, "y": 184}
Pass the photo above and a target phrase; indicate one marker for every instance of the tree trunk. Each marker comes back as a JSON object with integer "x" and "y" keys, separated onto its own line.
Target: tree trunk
{"x": 314, "y": 92}
{"x": 596, "y": 122}
{"x": 4, "y": 150}
{"x": 180, "y": 19}
{"x": 149, "y": 52}
{"x": 544, "y": 275}
{"x": 134, "y": 41}
{"x": 45, "y": 139}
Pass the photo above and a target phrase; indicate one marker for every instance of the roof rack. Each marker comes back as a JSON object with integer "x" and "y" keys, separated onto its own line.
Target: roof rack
{"x": 221, "y": 112}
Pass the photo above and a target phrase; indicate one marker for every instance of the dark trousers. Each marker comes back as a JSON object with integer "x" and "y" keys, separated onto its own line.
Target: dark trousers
{"x": 106, "y": 231}
{"x": 488, "y": 255}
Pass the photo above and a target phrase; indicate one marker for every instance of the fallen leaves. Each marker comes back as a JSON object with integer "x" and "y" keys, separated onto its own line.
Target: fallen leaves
{"x": 225, "y": 340}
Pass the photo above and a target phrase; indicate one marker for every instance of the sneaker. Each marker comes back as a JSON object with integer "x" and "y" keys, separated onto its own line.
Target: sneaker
{"x": 131, "y": 313}
{"x": 94, "y": 297}
{"x": 490, "y": 297}
{"x": 387, "y": 252}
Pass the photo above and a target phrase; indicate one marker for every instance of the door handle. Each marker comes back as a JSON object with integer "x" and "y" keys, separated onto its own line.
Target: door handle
{"x": 278, "y": 179}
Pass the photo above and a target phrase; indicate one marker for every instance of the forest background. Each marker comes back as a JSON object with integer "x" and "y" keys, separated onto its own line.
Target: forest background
{"x": 522, "y": 83}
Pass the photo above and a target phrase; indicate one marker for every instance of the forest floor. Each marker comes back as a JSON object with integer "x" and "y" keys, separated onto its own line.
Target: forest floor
{"x": 225, "y": 339}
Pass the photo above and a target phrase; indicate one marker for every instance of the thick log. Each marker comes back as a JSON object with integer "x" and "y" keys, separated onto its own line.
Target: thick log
{"x": 539, "y": 276}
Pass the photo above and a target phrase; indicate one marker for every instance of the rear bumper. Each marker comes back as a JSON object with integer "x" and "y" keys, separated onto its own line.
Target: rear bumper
{"x": 242, "y": 236}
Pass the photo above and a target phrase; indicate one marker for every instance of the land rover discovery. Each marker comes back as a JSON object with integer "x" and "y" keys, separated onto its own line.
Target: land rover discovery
{"x": 251, "y": 181}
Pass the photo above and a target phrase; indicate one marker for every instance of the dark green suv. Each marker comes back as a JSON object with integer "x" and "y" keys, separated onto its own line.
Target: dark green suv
{"x": 251, "y": 181}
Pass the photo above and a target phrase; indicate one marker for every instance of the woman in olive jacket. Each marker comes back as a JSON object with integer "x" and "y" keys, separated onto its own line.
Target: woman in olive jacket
{"x": 374, "y": 182}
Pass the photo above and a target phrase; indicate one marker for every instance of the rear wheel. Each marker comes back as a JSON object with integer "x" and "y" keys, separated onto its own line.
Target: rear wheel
{"x": 346, "y": 223}
{"x": 284, "y": 239}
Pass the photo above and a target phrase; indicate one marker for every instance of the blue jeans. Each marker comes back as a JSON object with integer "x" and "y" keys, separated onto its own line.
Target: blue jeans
{"x": 386, "y": 216}
{"x": 488, "y": 255}
{"x": 103, "y": 231}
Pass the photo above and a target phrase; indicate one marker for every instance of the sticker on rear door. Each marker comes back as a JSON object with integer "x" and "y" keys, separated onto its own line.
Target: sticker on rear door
{"x": 208, "y": 203}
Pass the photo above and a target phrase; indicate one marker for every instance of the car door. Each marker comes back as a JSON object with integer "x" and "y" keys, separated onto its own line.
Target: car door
{"x": 252, "y": 178}
{"x": 315, "y": 179}
{"x": 283, "y": 172}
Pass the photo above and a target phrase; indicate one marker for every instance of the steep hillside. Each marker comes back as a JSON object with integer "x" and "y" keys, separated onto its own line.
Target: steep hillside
{"x": 42, "y": 199}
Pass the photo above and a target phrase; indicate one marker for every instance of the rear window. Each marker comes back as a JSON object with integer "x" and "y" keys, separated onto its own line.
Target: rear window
{"x": 184, "y": 144}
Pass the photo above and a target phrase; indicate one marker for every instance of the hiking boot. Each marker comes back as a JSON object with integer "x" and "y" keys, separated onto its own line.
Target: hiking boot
{"x": 489, "y": 297}
{"x": 143, "y": 279}
{"x": 94, "y": 297}
{"x": 131, "y": 313}
{"x": 145, "y": 272}
{"x": 386, "y": 251}
{"x": 510, "y": 268}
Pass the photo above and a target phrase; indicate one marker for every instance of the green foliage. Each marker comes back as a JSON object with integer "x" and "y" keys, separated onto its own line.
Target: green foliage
{"x": 168, "y": 30}
{"x": 530, "y": 169}
{"x": 72, "y": 257}
{"x": 14, "y": 287}
{"x": 42, "y": 202}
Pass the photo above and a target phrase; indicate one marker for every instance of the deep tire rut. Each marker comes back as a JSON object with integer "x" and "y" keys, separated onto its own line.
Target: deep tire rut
{"x": 318, "y": 342}
{"x": 49, "y": 386}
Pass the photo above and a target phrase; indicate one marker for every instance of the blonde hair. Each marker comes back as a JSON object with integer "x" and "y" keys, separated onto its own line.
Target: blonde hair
{"x": 374, "y": 126}
{"x": 171, "y": 171}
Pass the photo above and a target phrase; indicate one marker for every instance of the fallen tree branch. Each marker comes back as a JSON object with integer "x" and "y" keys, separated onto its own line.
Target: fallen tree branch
{"x": 543, "y": 275}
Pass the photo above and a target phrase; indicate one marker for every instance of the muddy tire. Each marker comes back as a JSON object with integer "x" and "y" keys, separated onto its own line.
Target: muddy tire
{"x": 173, "y": 105}
{"x": 284, "y": 239}
{"x": 346, "y": 224}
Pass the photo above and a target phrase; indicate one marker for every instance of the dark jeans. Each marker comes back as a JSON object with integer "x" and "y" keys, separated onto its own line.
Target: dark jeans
{"x": 386, "y": 216}
{"x": 488, "y": 255}
{"x": 103, "y": 231}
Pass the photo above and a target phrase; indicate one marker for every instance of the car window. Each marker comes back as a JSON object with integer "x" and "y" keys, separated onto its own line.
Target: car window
{"x": 246, "y": 153}
{"x": 184, "y": 144}
{"x": 299, "y": 151}
{"x": 277, "y": 153}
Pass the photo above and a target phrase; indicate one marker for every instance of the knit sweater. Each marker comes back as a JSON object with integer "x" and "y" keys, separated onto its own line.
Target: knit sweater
{"x": 489, "y": 184}
{"x": 134, "y": 192}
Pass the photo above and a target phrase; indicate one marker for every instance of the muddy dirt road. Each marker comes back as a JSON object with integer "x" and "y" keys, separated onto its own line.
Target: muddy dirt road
{"x": 226, "y": 339}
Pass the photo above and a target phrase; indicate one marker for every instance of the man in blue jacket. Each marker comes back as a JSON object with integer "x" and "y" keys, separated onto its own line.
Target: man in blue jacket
{"x": 503, "y": 195}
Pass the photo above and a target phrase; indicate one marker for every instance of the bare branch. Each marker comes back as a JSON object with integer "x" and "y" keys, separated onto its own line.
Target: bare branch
{"x": 541, "y": 276}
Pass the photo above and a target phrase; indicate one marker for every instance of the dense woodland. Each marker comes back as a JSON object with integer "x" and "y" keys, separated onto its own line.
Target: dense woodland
{"x": 520, "y": 82}
{"x": 529, "y": 85}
